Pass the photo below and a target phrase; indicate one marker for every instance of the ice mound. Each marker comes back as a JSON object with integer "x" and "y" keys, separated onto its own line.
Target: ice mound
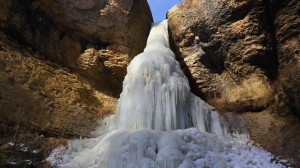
{"x": 189, "y": 148}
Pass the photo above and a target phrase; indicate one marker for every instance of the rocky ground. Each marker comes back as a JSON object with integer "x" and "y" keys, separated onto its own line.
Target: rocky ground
{"x": 21, "y": 147}
{"x": 276, "y": 134}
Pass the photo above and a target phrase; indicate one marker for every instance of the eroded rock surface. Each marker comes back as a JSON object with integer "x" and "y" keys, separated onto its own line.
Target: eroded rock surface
{"x": 46, "y": 97}
{"x": 286, "y": 18}
{"x": 226, "y": 49}
{"x": 243, "y": 56}
{"x": 63, "y": 30}
{"x": 62, "y": 63}
{"x": 238, "y": 54}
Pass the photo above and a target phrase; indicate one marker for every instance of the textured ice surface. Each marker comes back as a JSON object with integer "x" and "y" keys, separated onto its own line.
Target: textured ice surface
{"x": 189, "y": 148}
{"x": 152, "y": 125}
{"x": 155, "y": 91}
{"x": 156, "y": 94}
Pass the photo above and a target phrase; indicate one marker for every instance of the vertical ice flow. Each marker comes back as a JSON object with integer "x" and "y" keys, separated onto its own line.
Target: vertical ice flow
{"x": 156, "y": 94}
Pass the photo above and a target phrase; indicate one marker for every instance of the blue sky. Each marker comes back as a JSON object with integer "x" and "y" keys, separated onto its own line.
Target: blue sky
{"x": 159, "y": 8}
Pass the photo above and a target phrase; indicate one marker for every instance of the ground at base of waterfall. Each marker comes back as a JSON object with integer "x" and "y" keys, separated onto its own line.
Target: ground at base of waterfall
{"x": 283, "y": 142}
{"x": 21, "y": 148}
{"x": 280, "y": 135}
{"x": 30, "y": 149}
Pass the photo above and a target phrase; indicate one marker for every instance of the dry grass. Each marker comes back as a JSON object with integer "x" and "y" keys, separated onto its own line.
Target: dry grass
{"x": 105, "y": 111}
{"x": 276, "y": 134}
{"x": 47, "y": 146}
{"x": 283, "y": 142}
{"x": 28, "y": 145}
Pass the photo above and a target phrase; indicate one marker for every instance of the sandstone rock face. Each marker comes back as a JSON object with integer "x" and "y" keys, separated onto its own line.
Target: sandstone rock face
{"x": 46, "y": 97}
{"x": 62, "y": 63}
{"x": 226, "y": 50}
{"x": 63, "y": 30}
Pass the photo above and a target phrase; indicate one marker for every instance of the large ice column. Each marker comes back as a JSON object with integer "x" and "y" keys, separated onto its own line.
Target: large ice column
{"x": 155, "y": 91}
{"x": 158, "y": 38}
{"x": 156, "y": 94}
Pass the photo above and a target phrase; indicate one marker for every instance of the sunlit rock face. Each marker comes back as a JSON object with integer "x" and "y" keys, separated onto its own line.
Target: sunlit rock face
{"x": 243, "y": 56}
{"x": 225, "y": 48}
{"x": 151, "y": 127}
{"x": 63, "y": 61}
{"x": 45, "y": 97}
{"x": 96, "y": 38}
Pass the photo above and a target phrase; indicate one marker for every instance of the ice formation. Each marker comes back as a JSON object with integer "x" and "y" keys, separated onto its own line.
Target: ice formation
{"x": 156, "y": 94}
{"x": 153, "y": 124}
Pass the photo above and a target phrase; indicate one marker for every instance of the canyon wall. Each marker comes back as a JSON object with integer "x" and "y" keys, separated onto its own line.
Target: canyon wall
{"x": 226, "y": 49}
{"x": 62, "y": 63}
{"x": 237, "y": 54}
{"x": 242, "y": 57}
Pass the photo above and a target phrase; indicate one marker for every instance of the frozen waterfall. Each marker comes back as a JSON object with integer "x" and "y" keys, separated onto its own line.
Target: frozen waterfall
{"x": 154, "y": 120}
{"x": 156, "y": 94}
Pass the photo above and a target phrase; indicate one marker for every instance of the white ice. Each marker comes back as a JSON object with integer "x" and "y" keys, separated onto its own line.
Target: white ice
{"x": 189, "y": 148}
{"x": 11, "y": 143}
{"x": 152, "y": 125}
{"x": 156, "y": 94}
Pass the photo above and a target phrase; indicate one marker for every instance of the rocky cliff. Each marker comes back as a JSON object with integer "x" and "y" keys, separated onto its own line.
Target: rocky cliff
{"x": 62, "y": 63}
{"x": 285, "y": 16}
{"x": 243, "y": 56}
{"x": 227, "y": 51}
